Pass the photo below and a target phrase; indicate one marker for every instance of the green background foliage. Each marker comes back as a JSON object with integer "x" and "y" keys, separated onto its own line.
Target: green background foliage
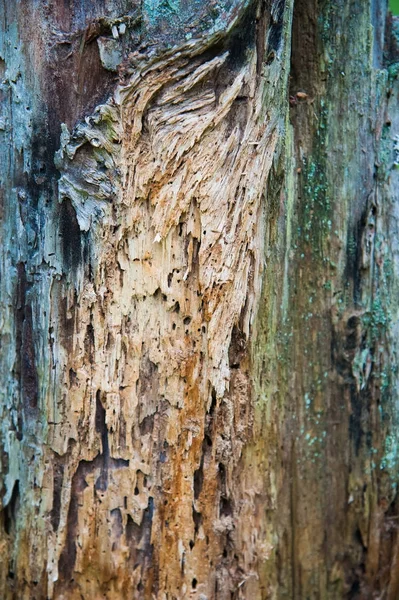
{"x": 394, "y": 6}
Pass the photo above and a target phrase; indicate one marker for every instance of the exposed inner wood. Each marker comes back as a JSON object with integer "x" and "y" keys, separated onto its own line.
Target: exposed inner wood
{"x": 167, "y": 181}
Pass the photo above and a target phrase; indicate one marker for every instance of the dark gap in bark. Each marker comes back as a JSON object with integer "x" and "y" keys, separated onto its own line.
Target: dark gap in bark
{"x": 101, "y": 427}
{"x": 197, "y": 518}
{"x": 225, "y": 503}
{"x": 359, "y": 538}
{"x": 117, "y": 527}
{"x": 44, "y": 171}
{"x": 355, "y": 420}
{"x": 140, "y": 482}
{"x": 196, "y": 249}
{"x": 225, "y": 507}
{"x": 354, "y": 270}
{"x": 22, "y": 286}
{"x": 304, "y": 48}
{"x": 11, "y": 510}
{"x": 212, "y": 407}
{"x": 391, "y": 50}
{"x": 238, "y": 348}
{"x": 133, "y": 532}
{"x": 20, "y": 314}
{"x": 206, "y": 449}
{"x": 199, "y": 473}
{"x": 58, "y": 474}
{"x": 73, "y": 378}
{"x": 276, "y": 28}
{"x": 85, "y": 237}
{"x": 222, "y": 476}
{"x": 147, "y": 425}
{"x": 138, "y": 538}
{"x": 352, "y": 339}
{"x": 241, "y": 39}
{"x": 110, "y": 341}
{"x": 262, "y": 26}
{"x": 76, "y": 80}
{"x": 29, "y": 377}
{"x": 68, "y": 555}
{"x": 89, "y": 343}
{"x": 357, "y": 591}
{"x": 71, "y": 239}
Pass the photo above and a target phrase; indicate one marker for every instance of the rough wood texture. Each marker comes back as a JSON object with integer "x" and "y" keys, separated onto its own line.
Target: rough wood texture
{"x": 327, "y": 416}
{"x": 199, "y": 305}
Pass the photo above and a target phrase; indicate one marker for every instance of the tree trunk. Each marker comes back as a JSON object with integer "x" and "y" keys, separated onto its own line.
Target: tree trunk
{"x": 199, "y": 300}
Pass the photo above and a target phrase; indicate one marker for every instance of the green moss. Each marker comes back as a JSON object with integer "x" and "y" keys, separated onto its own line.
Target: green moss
{"x": 351, "y": 245}
{"x": 376, "y": 320}
{"x": 393, "y": 71}
{"x": 315, "y": 223}
{"x": 156, "y": 9}
{"x": 390, "y": 459}
{"x": 385, "y": 155}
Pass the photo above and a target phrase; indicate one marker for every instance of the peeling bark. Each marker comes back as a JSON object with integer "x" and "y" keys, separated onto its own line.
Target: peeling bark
{"x": 198, "y": 300}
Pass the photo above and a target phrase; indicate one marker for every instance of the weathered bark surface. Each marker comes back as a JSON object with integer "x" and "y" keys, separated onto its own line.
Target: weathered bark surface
{"x": 331, "y": 324}
{"x": 199, "y": 300}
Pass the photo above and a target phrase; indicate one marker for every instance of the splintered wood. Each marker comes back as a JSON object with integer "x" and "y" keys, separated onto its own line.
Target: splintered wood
{"x": 168, "y": 179}
{"x": 137, "y": 223}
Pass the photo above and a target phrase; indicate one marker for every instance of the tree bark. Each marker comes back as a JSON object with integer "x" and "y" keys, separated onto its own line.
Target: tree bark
{"x": 199, "y": 300}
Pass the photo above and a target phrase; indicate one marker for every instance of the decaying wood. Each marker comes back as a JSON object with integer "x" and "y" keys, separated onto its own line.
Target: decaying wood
{"x": 198, "y": 299}
{"x": 153, "y": 281}
{"x": 175, "y": 218}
